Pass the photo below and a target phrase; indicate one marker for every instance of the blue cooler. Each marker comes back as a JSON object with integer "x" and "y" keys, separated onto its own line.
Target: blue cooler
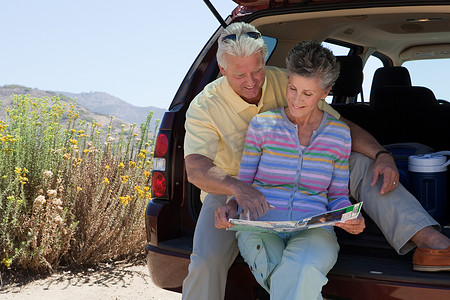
{"x": 428, "y": 183}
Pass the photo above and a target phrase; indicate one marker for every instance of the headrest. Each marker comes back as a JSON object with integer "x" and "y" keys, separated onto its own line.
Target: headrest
{"x": 350, "y": 78}
{"x": 398, "y": 98}
{"x": 390, "y": 76}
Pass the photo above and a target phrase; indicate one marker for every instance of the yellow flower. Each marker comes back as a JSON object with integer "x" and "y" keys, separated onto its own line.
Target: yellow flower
{"x": 125, "y": 178}
{"x": 23, "y": 179}
{"x": 124, "y": 200}
{"x": 121, "y": 165}
{"x": 106, "y": 180}
{"x": 7, "y": 262}
{"x": 140, "y": 193}
{"x": 86, "y": 150}
{"x": 132, "y": 164}
{"x": 73, "y": 141}
{"x": 146, "y": 174}
{"x": 141, "y": 155}
{"x": 107, "y": 167}
{"x": 18, "y": 170}
{"x": 79, "y": 189}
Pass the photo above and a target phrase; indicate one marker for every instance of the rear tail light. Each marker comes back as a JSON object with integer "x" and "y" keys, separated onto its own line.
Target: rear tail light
{"x": 159, "y": 184}
{"x": 159, "y": 176}
{"x": 162, "y": 143}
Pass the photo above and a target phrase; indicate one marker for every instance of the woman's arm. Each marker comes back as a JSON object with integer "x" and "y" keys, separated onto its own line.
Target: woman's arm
{"x": 354, "y": 226}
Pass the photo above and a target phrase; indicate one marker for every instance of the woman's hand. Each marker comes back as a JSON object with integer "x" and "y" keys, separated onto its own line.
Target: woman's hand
{"x": 224, "y": 213}
{"x": 355, "y": 226}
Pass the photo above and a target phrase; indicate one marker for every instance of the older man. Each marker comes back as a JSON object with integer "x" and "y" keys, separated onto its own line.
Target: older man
{"x": 216, "y": 124}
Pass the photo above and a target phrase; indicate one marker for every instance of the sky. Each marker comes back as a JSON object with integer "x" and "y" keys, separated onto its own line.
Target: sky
{"x": 136, "y": 50}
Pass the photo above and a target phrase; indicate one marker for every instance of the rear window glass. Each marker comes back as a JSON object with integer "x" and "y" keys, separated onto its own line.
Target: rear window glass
{"x": 372, "y": 64}
{"x": 337, "y": 50}
{"x": 271, "y": 43}
{"x": 431, "y": 73}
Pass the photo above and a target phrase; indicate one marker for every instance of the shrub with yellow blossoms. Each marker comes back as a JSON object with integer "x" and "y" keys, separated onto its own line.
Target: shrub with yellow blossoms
{"x": 70, "y": 192}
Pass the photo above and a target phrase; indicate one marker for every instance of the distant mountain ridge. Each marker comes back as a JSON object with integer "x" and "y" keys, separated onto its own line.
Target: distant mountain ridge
{"x": 96, "y": 102}
{"x": 103, "y": 103}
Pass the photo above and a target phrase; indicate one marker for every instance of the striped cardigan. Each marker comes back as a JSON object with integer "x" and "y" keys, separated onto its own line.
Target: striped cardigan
{"x": 298, "y": 183}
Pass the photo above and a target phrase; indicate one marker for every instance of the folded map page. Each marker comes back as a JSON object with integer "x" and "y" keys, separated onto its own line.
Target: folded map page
{"x": 326, "y": 219}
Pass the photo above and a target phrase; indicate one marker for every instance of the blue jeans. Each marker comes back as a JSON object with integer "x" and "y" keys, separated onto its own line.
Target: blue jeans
{"x": 292, "y": 265}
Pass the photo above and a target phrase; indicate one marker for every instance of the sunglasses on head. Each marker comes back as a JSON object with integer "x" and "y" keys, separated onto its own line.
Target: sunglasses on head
{"x": 233, "y": 36}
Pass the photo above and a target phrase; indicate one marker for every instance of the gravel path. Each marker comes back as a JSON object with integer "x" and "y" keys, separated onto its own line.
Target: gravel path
{"x": 119, "y": 280}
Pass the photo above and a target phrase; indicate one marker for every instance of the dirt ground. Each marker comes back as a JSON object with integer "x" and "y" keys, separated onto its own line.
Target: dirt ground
{"x": 118, "y": 280}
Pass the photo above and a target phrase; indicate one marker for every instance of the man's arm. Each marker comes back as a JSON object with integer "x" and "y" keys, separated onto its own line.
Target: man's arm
{"x": 203, "y": 173}
{"x": 364, "y": 143}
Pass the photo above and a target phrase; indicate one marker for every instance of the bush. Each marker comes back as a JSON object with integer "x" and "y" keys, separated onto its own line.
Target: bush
{"x": 69, "y": 192}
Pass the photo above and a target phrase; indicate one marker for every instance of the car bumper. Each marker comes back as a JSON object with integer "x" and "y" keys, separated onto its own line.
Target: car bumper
{"x": 167, "y": 268}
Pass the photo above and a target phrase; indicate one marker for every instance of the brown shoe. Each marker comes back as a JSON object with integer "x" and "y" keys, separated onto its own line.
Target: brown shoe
{"x": 431, "y": 260}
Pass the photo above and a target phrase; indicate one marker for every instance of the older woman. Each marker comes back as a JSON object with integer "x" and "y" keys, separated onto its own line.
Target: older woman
{"x": 297, "y": 156}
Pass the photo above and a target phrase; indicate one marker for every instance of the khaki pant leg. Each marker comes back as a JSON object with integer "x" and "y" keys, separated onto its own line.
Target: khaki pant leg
{"x": 213, "y": 253}
{"x": 398, "y": 213}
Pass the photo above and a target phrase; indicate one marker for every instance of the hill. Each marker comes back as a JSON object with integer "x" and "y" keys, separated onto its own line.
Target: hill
{"x": 96, "y": 106}
{"x": 106, "y": 104}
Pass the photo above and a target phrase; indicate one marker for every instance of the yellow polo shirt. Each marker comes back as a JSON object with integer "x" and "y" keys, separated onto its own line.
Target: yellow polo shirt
{"x": 218, "y": 118}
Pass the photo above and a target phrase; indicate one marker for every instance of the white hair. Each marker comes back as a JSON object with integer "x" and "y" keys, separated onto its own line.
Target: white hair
{"x": 242, "y": 46}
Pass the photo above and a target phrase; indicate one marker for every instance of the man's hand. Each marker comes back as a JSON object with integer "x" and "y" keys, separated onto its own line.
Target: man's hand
{"x": 224, "y": 213}
{"x": 203, "y": 173}
{"x": 252, "y": 202}
{"x": 355, "y": 226}
{"x": 385, "y": 165}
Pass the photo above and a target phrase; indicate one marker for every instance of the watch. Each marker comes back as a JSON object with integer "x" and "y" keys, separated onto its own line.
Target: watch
{"x": 383, "y": 152}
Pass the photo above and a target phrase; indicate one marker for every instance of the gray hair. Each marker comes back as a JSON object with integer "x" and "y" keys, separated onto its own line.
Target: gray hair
{"x": 311, "y": 59}
{"x": 242, "y": 46}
